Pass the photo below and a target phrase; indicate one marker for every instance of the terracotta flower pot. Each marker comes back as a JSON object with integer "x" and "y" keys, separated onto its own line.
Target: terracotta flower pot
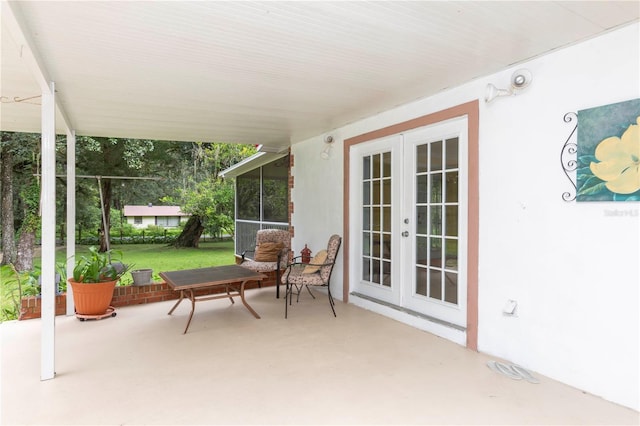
{"x": 92, "y": 298}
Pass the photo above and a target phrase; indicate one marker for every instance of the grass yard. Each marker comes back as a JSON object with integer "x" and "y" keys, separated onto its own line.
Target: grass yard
{"x": 161, "y": 258}
{"x": 158, "y": 257}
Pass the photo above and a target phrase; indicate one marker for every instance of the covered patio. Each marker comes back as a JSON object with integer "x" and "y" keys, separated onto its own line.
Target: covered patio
{"x": 286, "y": 76}
{"x": 230, "y": 368}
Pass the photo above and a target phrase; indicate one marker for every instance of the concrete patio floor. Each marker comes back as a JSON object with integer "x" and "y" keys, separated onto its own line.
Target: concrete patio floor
{"x": 230, "y": 368}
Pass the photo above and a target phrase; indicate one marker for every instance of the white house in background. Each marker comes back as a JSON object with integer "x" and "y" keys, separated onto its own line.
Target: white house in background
{"x": 165, "y": 216}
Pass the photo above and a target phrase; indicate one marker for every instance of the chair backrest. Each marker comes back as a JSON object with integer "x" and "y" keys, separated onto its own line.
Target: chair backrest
{"x": 332, "y": 252}
{"x": 275, "y": 236}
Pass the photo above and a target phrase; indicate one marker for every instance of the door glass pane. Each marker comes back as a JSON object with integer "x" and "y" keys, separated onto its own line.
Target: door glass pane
{"x": 376, "y": 219}
{"x": 375, "y": 271}
{"x": 435, "y": 283}
{"x": 436, "y": 188}
{"x": 451, "y": 254}
{"x": 451, "y": 287}
{"x": 376, "y": 244}
{"x": 451, "y": 220}
{"x": 366, "y": 243}
{"x": 386, "y": 164}
{"x": 422, "y": 158}
{"x": 422, "y": 222}
{"x": 386, "y": 191}
{"x": 376, "y": 166}
{"x": 436, "y": 220}
{"x": 386, "y": 246}
{"x": 386, "y": 274}
{"x": 366, "y": 269}
{"x": 376, "y": 192}
{"x": 366, "y": 167}
{"x": 366, "y": 193}
{"x": 366, "y": 218}
{"x": 436, "y": 156}
{"x": 422, "y": 250}
{"x": 452, "y": 153}
{"x": 422, "y": 189}
{"x": 386, "y": 219}
{"x": 452, "y": 187}
{"x": 435, "y": 255}
{"x": 421, "y": 281}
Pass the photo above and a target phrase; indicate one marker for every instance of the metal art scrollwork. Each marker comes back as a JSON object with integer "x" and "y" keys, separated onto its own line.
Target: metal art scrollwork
{"x": 569, "y": 157}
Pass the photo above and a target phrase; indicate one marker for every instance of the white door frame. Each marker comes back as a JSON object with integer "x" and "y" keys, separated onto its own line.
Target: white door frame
{"x": 399, "y": 289}
{"x": 471, "y": 111}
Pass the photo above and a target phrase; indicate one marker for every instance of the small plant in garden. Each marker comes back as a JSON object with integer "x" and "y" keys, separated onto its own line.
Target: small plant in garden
{"x": 14, "y": 286}
{"x": 99, "y": 267}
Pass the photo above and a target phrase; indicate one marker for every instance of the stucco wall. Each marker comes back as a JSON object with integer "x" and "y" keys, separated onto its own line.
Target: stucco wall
{"x": 572, "y": 267}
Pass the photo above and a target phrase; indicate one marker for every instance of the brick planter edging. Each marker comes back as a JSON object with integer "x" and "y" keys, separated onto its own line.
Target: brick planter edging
{"x": 129, "y": 295}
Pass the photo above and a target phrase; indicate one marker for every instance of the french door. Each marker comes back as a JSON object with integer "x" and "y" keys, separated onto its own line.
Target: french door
{"x": 408, "y": 220}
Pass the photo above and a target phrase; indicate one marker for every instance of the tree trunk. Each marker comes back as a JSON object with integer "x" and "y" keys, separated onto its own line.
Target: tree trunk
{"x": 8, "y": 231}
{"x": 105, "y": 234}
{"x": 190, "y": 235}
{"x": 26, "y": 251}
{"x": 63, "y": 224}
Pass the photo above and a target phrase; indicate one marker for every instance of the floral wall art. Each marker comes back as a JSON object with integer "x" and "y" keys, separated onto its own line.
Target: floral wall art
{"x": 608, "y": 152}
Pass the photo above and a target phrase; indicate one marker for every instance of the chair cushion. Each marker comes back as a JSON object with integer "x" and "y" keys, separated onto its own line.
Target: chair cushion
{"x": 318, "y": 259}
{"x": 296, "y": 275}
{"x": 260, "y": 266}
{"x": 268, "y": 252}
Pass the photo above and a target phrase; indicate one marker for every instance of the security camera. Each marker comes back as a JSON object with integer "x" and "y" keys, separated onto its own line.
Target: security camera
{"x": 328, "y": 139}
{"x": 521, "y": 79}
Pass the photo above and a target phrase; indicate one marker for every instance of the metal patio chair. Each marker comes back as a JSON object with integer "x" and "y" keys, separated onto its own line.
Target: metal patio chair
{"x": 315, "y": 273}
{"x": 271, "y": 253}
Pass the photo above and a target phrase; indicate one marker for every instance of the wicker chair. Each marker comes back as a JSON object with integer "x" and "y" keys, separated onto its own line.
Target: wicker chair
{"x": 251, "y": 258}
{"x": 316, "y": 273}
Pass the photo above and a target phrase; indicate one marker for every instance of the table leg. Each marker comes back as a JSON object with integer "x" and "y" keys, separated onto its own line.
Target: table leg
{"x": 255, "y": 314}
{"x": 229, "y": 294}
{"x": 193, "y": 308}
{"x": 177, "y": 303}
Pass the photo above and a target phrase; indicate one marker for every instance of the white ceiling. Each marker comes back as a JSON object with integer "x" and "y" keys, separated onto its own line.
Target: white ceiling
{"x": 268, "y": 72}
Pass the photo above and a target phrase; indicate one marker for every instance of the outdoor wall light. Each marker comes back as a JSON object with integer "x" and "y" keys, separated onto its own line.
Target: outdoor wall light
{"x": 519, "y": 80}
{"x": 326, "y": 151}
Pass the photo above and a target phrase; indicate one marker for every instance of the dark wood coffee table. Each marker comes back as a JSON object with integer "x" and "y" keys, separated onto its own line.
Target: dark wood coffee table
{"x": 232, "y": 277}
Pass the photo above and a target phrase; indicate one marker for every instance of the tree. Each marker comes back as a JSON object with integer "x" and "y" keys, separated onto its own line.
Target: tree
{"x": 210, "y": 205}
{"x": 210, "y": 201}
{"x": 30, "y": 197}
{"x": 19, "y": 155}
{"x": 6, "y": 183}
{"x": 110, "y": 157}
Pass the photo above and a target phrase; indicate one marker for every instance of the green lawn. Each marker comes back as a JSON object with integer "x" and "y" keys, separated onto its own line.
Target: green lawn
{"x": 161, "y": 258}
{"x": 142, "y": 256}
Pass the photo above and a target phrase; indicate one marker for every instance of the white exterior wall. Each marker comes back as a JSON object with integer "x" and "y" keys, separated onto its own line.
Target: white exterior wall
{"x": 146, "y": 221}
{"x": 149, "y": 221}
{"x": 572, "y": 267}
{"x": 317, "y": 196}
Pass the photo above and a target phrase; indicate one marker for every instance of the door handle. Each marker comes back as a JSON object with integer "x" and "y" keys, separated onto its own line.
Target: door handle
{"x": 405, "y": 234}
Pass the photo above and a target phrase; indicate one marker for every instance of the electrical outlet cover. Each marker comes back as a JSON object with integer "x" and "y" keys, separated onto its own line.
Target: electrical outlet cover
{"x": 510, "y": 307}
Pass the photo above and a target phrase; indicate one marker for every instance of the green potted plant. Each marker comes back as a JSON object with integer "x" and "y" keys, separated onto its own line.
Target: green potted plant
{"x": 94, "y": 278}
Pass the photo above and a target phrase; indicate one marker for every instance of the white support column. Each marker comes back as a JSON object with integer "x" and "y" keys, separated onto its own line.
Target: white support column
{"x": 71, "y": 214}
{"x": 48, "y": 212}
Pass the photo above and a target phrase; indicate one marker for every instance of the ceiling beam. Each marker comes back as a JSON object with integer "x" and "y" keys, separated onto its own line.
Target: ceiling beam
{"x": 28, "y": 54}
